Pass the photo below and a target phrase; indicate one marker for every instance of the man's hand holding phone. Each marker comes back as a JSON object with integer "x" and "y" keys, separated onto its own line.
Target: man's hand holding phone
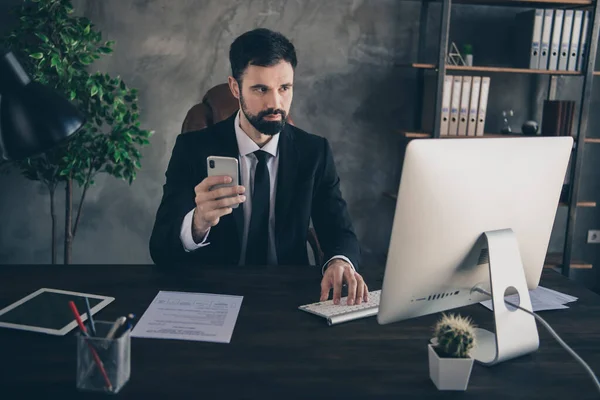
{"x": 212, "y": 205}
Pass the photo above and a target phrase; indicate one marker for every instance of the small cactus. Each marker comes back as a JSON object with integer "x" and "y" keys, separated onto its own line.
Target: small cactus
{"x": 455, "y": 336}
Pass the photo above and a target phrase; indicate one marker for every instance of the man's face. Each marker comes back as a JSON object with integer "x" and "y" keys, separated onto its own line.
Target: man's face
{"x": 266, "y": 96}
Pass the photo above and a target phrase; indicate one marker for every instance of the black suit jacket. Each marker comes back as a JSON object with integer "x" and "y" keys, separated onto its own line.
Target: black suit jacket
{"x": 307, "y": 186}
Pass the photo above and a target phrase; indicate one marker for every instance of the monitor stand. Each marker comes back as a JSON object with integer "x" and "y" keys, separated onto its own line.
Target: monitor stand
{"x": 516, "y": 331}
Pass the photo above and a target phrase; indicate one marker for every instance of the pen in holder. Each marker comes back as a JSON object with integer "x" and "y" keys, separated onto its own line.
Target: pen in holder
{"x": 110, "y": 371}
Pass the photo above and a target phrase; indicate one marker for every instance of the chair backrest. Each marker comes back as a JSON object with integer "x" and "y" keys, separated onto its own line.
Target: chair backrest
{"x": 217, "y": 104}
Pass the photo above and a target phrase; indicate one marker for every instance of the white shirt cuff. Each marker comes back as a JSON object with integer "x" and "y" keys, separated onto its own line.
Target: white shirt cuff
{"x": 186, "y": 234}
{"x": 341, "y": 257}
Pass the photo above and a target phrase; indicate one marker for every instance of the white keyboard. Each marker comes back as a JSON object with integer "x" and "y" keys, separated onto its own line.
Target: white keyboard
{"x": 342, "y": 312}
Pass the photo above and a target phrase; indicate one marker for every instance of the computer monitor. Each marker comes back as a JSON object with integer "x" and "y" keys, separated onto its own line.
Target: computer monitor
{"x": 452, "y": 192}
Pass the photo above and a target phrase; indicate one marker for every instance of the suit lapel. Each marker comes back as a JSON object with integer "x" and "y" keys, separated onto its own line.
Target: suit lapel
{"x": 231, "y": 149}
{"x": 286, "y": 178}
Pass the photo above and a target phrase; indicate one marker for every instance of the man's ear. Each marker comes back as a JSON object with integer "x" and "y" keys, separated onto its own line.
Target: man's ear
{"x": 234, "y": 87}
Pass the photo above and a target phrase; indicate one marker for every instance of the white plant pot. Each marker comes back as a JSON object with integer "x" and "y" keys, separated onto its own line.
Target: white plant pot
{"x": 449, "y": 373}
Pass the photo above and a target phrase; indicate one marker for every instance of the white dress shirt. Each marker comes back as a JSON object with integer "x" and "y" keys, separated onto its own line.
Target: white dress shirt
{"x": 248, "y": 162}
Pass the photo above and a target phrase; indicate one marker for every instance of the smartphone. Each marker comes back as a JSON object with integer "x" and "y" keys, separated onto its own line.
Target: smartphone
{"x": 228, "y": 166}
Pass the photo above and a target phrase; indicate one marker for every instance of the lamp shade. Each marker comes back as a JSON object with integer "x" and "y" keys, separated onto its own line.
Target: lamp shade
{"x": 33, "y": 118}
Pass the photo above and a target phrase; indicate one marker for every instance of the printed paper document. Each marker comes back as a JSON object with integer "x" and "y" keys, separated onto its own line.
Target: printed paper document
{"x": 541, "y": 299}
{"x": 189, "y": 316}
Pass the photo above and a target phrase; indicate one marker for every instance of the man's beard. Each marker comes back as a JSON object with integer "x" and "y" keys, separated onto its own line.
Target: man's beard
{"x": 264, "y": 126}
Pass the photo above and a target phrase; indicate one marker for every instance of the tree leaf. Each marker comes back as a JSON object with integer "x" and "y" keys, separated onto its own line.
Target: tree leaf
{"x": 42, "y": 36}
{"x": 55, "y": 61}
{"x": 104, "y": 144}
{"x": 86, "y": 59}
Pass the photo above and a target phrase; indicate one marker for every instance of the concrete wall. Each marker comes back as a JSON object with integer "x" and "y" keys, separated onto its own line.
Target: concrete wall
{"x": 348, "y": 88}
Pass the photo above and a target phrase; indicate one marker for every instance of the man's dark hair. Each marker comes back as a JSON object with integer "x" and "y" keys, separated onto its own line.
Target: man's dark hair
{"x": 261, "y": 47}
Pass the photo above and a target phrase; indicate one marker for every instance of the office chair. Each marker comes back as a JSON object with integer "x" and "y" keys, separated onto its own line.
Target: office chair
{"x": 218, "y": 104}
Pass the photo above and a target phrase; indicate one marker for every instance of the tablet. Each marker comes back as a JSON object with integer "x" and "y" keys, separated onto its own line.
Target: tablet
{"x": 48, "y": 311}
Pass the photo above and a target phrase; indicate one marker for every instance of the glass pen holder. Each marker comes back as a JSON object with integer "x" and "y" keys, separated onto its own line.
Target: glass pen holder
{"x": 103, "y": 365}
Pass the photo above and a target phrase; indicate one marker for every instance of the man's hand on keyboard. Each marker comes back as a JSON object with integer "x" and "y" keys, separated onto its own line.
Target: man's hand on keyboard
{"x": 338, "y": 272}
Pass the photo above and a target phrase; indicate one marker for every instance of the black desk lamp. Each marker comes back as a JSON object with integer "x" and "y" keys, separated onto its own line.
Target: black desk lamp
{"x": 33, "y": 118}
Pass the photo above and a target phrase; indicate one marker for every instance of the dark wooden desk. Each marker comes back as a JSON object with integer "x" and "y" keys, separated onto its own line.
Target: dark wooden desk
{"x": 278, "y": 351}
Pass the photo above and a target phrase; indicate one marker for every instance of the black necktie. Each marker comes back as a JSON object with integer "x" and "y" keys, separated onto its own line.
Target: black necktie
{"x": 258, "y": 232}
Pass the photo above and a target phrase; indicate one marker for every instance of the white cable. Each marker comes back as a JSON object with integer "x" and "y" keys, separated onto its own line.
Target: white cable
{"x": 558, "y": 339}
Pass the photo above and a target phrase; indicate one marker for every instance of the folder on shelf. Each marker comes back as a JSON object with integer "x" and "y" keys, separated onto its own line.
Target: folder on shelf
{"x": 583, "y": 40}
{"x": 428, "y": 110}
{"x": 557, "y": 120}
{"x": 551, "y": 118}
{"x": 446, "y": 95}
{"x": 569, "y": 118}
{"x": 463, "y": 105}
{"x": 557, "y": 117}
{"x": 483, "y": 100}
{"x": 565, "y": 41}
{"x": 463, "y": 112}
{"x": 555, "y": 41}
{"x": 575, "y": 36}
{"x": 528, "y": 37}
{"x": 546, "y": 37}
{"x": 474, "y": 106}
{"x": 455, "y": 105}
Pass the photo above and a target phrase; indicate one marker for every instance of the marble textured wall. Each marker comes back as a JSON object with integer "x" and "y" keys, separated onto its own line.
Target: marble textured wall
{"x": 348, "y": 88}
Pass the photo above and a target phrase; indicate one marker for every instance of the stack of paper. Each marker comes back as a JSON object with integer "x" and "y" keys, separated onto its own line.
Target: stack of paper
{"x": 189, "y": 316}
{"x": 541, "y": 299}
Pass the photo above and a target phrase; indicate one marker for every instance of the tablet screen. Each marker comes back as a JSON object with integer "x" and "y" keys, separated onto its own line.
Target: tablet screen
{"x": 47, "y": 310}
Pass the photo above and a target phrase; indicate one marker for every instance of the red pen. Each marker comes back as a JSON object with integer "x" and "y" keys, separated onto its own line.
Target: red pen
{"x": 94, "y": 353}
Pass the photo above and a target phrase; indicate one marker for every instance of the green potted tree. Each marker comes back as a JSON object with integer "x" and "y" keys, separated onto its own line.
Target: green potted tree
{"x": 450, "y": 360}
{"x": 57, "y": 49}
